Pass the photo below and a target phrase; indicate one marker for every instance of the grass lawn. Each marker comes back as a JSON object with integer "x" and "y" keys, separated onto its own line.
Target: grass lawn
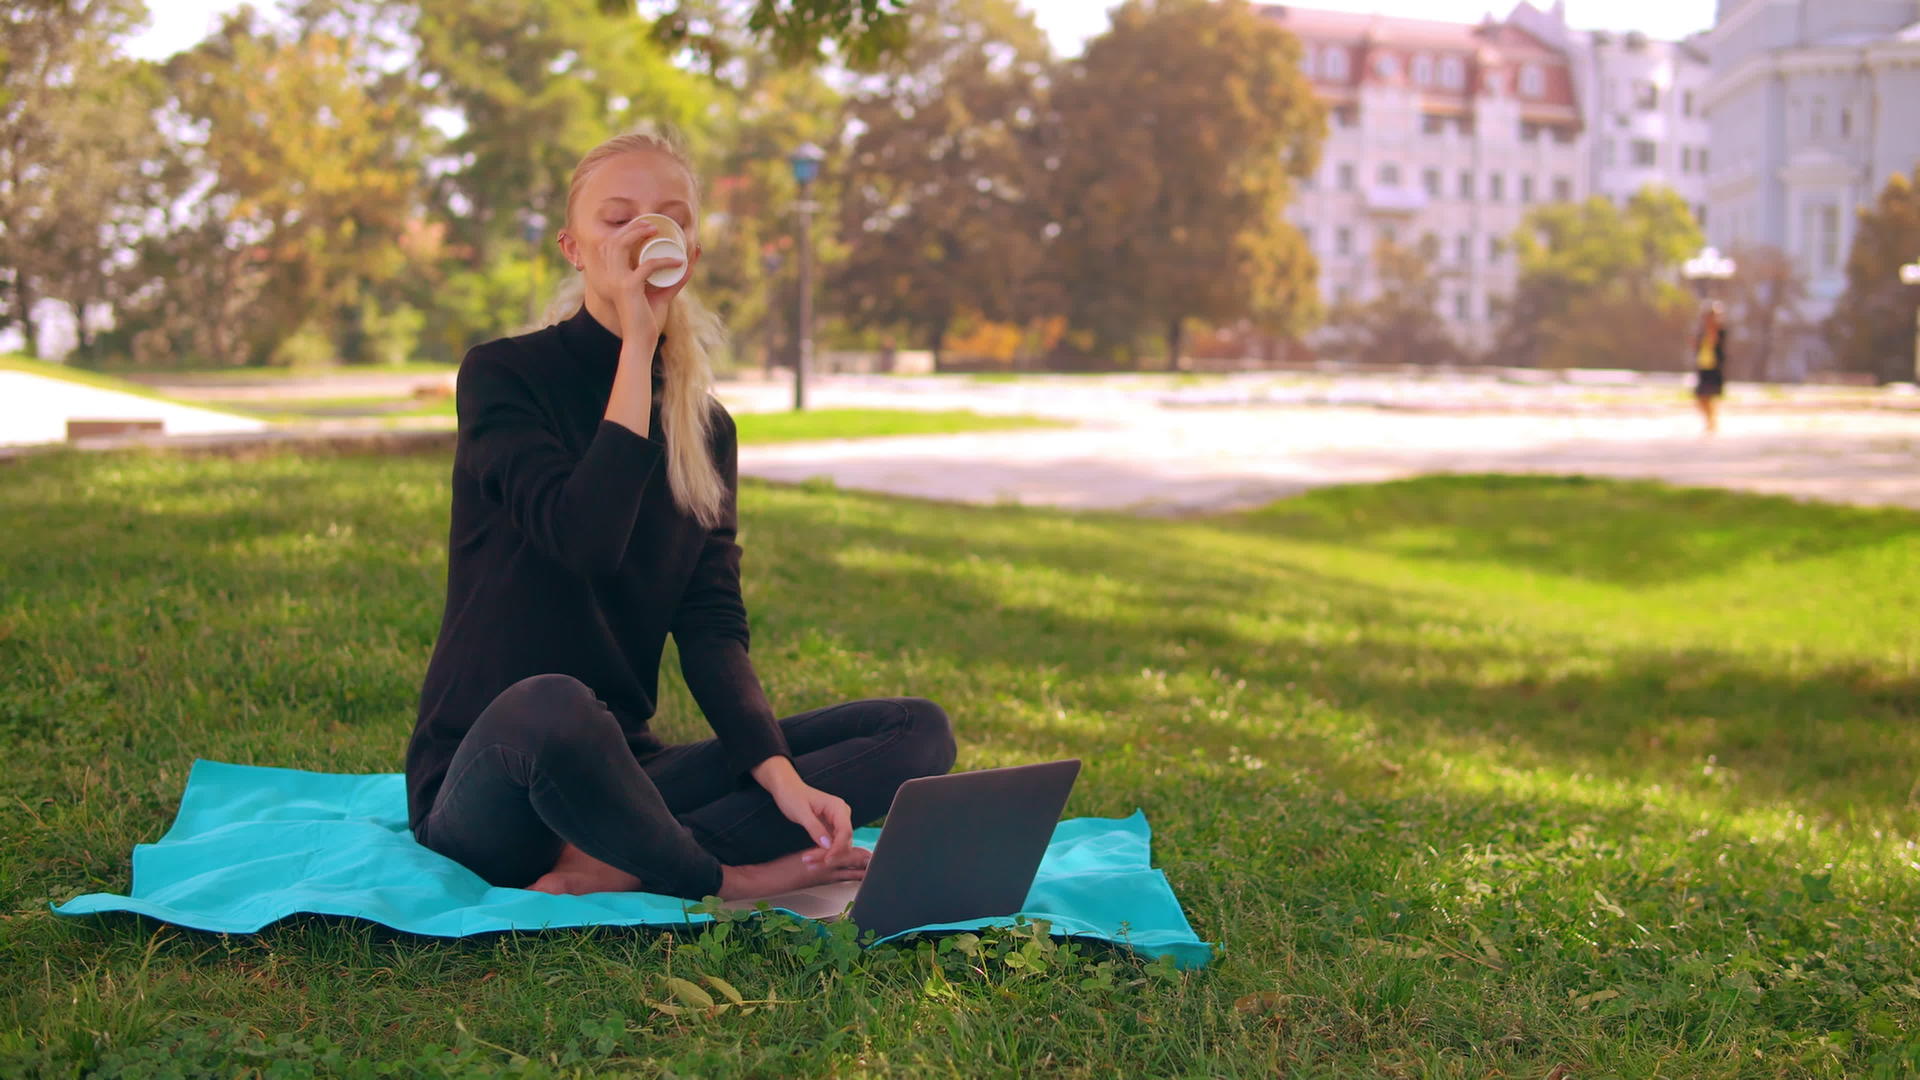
{"x": 753, "y": 427}
{"x": 1466, "y": 777}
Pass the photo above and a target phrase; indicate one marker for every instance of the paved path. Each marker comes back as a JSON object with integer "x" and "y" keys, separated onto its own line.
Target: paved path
{"x": 35, "y": 409}
{"x": 1133, "y": 452}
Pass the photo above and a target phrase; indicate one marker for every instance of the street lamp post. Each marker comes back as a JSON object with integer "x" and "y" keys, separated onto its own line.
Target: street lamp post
{"x": 805, "y": 160}
{"x": 533, "y": 224}
{"x": 1910, "y": 275}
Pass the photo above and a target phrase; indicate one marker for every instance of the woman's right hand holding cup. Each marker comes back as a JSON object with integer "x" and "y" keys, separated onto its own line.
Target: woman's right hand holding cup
{"x": 642, "y": 308}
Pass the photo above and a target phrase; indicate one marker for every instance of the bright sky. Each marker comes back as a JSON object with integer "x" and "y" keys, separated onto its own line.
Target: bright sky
{"x": 175, "y": 24}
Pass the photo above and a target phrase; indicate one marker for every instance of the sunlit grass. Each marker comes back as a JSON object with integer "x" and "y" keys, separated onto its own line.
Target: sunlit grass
{"x": 1467, "y": 776}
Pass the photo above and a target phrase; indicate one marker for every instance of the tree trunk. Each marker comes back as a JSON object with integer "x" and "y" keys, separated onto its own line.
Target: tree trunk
{"x": 1174, "y": 327}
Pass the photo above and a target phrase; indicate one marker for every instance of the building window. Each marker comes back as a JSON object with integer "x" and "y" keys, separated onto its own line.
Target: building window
{"x": 1529, "y": 131}
{"x": 1466, "y": 183}
{"x": 1646, "y": 96}
{"x": 1686, "y": 159}
{"x": 1432, "y": 125}
{"x": 1495, "y": 249}
{"x": 1828, "y": 236}
{"x": 1526, "y": 188}
{"x": 1846, "y": 122}
{"x": 1700, "y": 158}
{"x": 1389, "y": 175}
{"x": 1817, "y": 119}
{"x": 1343, "y": 241}
{"x": 1345, "y": 176}
{"x": 1496, "y": 187}
{"x": 1700, "y": 215}
{"x": 1606, "y": 153}
{"x": 1533, "y": 81}
{"x": 1460, "y": 306}
{"x": 1686, "y": 103}
{"x": 1563, "y": 134}
{"x": 1562, "y": 189}
{"x": 1386, "y": 67}
{"x": 1346, "y": 116}
{"x": 1646, "y": 152}
{"x": 1333, "y": 63}
{"x": 1430, "y": 180}
{"x": 1423, "y": 69}
{"x": 1429, "y": 246}
{"x": 1463, "y": 249}
{"x": 1307, "y": 53}
{"x": 1453, "y": 73}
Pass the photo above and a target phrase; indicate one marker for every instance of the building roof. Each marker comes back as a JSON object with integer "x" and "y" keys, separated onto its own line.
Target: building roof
{"x": 1495, "y": 58}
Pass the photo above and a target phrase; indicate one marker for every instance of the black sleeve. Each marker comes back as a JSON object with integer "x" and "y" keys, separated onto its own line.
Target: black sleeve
{"x": 710, "y": 628}
{"x": 578, "y": 508}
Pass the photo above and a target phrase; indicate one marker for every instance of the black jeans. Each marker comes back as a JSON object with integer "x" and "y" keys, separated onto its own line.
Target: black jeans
{"x": 546, "y": 762}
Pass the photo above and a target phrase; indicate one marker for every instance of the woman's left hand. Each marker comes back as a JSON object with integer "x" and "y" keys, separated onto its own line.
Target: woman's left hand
{"x": 825, "y": 816}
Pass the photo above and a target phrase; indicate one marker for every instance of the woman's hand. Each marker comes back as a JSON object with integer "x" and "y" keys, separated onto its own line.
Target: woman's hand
{"x": 826, "y": 817}
{"x": 641, "y": 306}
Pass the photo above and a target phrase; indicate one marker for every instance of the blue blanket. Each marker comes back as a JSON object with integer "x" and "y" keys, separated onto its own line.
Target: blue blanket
{"x": 253, "y": 844}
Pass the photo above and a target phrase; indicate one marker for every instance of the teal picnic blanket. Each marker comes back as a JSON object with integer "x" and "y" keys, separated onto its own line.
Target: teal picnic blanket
{"x": 252, "y": 844}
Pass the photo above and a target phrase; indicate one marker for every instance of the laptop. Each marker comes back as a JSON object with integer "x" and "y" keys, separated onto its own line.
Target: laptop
{"x": 954, "y": 847}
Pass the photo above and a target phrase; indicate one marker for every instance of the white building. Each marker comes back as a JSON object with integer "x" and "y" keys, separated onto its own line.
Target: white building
{"x": 1448, "y": 132}
{"x": 1814, "y": 105}
{"x": 1442, "y": 135}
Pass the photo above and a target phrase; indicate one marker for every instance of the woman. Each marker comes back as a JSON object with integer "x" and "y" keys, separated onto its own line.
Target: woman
{"x": 1710, "y": 362}
{"x": 594, "y": 503}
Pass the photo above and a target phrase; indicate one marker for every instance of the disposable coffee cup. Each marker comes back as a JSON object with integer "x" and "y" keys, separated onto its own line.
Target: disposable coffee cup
{"x": 671, "y": 241}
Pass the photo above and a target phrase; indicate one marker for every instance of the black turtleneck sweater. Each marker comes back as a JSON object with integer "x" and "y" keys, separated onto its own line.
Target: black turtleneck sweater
{"x": 567, "y": 554}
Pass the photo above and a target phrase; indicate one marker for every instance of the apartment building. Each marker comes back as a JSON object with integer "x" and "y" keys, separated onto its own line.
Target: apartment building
{"x": 1445, "y": 134}
{"x": 1814, "y": 105}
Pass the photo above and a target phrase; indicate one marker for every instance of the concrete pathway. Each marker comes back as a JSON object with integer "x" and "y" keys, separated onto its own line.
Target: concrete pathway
{"x": 36, "y": 408}
{"x": 1132, "y": 452}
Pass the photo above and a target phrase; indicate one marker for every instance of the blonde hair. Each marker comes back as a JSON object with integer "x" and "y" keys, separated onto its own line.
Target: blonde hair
{"x": 690, "y": 334}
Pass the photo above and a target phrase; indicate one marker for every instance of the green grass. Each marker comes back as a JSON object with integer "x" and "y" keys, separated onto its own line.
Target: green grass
{"x": 1467, "y": 777}
{"x": 873, "y": 423}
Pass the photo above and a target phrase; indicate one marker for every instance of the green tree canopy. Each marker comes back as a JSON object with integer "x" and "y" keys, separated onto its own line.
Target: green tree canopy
{"x": 1598, "y": 284}
{"x": 938, "y": 203}
{"x": 1174, "y": 143}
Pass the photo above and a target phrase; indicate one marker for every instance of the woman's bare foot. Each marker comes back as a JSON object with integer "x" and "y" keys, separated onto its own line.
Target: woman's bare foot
{"x": 577, "y": 872}
{"x": 789, "y": 872}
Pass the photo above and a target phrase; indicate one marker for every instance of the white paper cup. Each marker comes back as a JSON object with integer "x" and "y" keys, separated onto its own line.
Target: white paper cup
{"x": 671, "y": 240}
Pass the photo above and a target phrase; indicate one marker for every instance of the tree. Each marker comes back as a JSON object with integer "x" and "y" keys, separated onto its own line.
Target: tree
{"x": 1402, "y": 323}
{"x": 748, "y": 270}
{"x": 1598, "y": 285}
{"x": 1173, "y": 145}
{"x": 1763, "y": 309}
{"x": 68, "y": 113}
{"x": 311, "y": 179}
{"x": 937, "y": 201}
{"x": 1872, "y": 326}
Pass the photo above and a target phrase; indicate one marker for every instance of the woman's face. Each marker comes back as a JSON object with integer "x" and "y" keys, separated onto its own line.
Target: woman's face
{"x": 619, "y": 190}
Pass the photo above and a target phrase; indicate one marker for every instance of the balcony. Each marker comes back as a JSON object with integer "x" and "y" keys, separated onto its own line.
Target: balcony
{"x": 1400, "y": 201}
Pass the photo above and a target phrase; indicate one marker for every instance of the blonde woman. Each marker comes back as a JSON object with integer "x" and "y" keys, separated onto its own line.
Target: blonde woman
{"x": 594, "y": 503}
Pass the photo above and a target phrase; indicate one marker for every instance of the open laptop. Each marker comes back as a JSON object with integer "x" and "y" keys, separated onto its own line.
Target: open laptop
{"x": 955, "y": 847}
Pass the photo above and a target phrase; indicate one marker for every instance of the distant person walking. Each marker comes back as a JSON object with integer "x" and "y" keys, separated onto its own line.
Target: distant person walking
{"x": 1710, "y": 364}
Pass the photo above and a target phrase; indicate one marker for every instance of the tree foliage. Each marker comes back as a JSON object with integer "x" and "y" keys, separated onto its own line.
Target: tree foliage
{"x": 1598, "y": 284}
{"x": 1871, "y": 328}
{"x": 1764, "y": 310}
{"x": 1401, "y": 324}
{"x": 940, "y": 198}
{"x": 1173, "y": 145}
